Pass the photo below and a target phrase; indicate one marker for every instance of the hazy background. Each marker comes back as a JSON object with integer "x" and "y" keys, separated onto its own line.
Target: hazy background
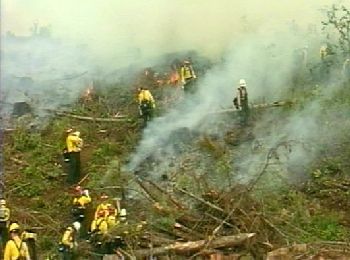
{"x": 112, "y": 28}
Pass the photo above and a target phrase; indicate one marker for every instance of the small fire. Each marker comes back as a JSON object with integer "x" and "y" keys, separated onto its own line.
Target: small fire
{"x": 174, "y": 78}
{"x": 87, "y": 95}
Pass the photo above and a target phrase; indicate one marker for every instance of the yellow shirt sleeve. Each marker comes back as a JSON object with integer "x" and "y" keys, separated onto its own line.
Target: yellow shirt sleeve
{"x": 83, "y": 200}
{"x": 73, "y": 143}
{"x": 149, "y": 96}
{"x": 11, "y": 251}
{"x": 67, "y": 238}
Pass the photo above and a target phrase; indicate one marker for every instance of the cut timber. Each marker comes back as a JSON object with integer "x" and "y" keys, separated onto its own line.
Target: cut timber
{"x": 195, "y": 246}
{"x": 95, "y": 119}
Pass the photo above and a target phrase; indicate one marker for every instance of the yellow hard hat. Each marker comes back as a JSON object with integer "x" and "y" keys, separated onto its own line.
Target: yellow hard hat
{"x": 14, "y": 227}
{"x": 2, "y": 202}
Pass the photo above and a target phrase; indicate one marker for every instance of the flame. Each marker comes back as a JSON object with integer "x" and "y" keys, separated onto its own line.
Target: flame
{"x": 174, "y": 78}
{"x": 87, "y": 95}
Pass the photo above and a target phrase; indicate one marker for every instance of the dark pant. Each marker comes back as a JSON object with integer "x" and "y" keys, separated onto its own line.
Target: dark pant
{"x": 244, "y": 114}
{"x": 3, "y": 233}
{"x": 189, "y": 86}
{"x": 147, "y": 112}
{"x": 74, "y": 167}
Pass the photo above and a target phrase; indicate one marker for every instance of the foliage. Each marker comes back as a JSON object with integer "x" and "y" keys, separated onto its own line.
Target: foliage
{"x": 338, "y": 19}
{"x": 326, "y": 227}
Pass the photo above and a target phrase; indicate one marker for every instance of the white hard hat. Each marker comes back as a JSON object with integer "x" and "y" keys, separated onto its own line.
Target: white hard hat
{"x": 76, "y": 225}
{"x": 242, "y": 83}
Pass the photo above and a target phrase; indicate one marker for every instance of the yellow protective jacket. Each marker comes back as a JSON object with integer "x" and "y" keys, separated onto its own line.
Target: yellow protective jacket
{"x": 4, "y": 213}
{"x": 15, "y": 248}
{"x": 74, "y": 143}
{"x": 68, "y": 237}
{"x": 103, "y": 207}
{"x": 82, "y": 201}
{"x": 187, "y": 73}
{"x": 99, "y": 226}
{"x": 112, "y": 221}
{"x": 145, "y": 95}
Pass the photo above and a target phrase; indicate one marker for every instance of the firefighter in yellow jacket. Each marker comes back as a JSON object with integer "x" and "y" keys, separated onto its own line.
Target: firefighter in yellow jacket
{"x": 146, "y": 103}
{"x": 80, "y": 203}
{"x": 103, "y": 206}
{"x": 16, "y": 249}
{"x": 69, "y": 244}
{"x": 4, "y": 221}
{"x": 74, "y": 144}
{"x": 188, "y": 76}
{"x": 98, "y": 230}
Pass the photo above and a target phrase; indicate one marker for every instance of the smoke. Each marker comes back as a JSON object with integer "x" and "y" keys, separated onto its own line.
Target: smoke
{"x": 269, "y": 60}
{"x": 253, "y": 40}
{"x": 117, "y": 31}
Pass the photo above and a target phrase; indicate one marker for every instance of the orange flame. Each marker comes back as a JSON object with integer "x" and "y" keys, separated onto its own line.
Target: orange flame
{"x": 87, "y": 95}
{"x": 174, "y": 78}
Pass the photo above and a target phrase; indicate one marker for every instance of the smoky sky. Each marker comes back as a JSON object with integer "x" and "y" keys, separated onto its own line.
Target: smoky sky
{"x": 114, "y": 28}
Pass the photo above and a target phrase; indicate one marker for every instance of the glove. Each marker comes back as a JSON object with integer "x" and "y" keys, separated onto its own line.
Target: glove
{"x": 154, "y": 105}
{"x": 194, "y": 76}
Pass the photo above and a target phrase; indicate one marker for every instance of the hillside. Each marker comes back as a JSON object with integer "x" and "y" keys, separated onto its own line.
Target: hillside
{"x": 200, "y": 192}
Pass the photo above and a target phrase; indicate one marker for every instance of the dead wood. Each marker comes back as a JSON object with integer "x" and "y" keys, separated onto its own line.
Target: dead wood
{"x": 257, "y": 106}
{"x": 200, "y": 199}
{"x": 94, "y": 119}
{"x": 177, "y": 204}
{"x": 195, "y": 246}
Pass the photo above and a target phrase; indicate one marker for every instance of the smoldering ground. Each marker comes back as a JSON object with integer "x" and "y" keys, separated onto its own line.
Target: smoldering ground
{"x": 269, "y": 78}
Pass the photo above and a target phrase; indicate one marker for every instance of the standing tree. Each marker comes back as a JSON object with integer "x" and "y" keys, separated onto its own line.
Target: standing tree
{"x": 338, "y": 18}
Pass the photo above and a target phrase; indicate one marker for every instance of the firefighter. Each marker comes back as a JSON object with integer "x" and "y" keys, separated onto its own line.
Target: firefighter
{"x": 188, "y": 76}
{"x": 103, "y": 206}
{"x": 99, "y": 225}
{"x": 69, "y": 245}
{"x": 74, "y": 144}
{"x": 98, "y": 230}
{"x": 80, "y": 202}
{"x": 4, "y": 221}
{"x": 30, "y": 238}
{"x": 146, "y": 104}
{"x": 15, "y": 247}
{"x": 241, "y": 101}
{"x": 324, "y": 51}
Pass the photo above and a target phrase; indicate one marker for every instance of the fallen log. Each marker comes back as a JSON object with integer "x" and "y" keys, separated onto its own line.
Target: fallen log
{"x": 195, "y": 246}
{"x": 256, "y": 106}
{"x": 95, "y": 119}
